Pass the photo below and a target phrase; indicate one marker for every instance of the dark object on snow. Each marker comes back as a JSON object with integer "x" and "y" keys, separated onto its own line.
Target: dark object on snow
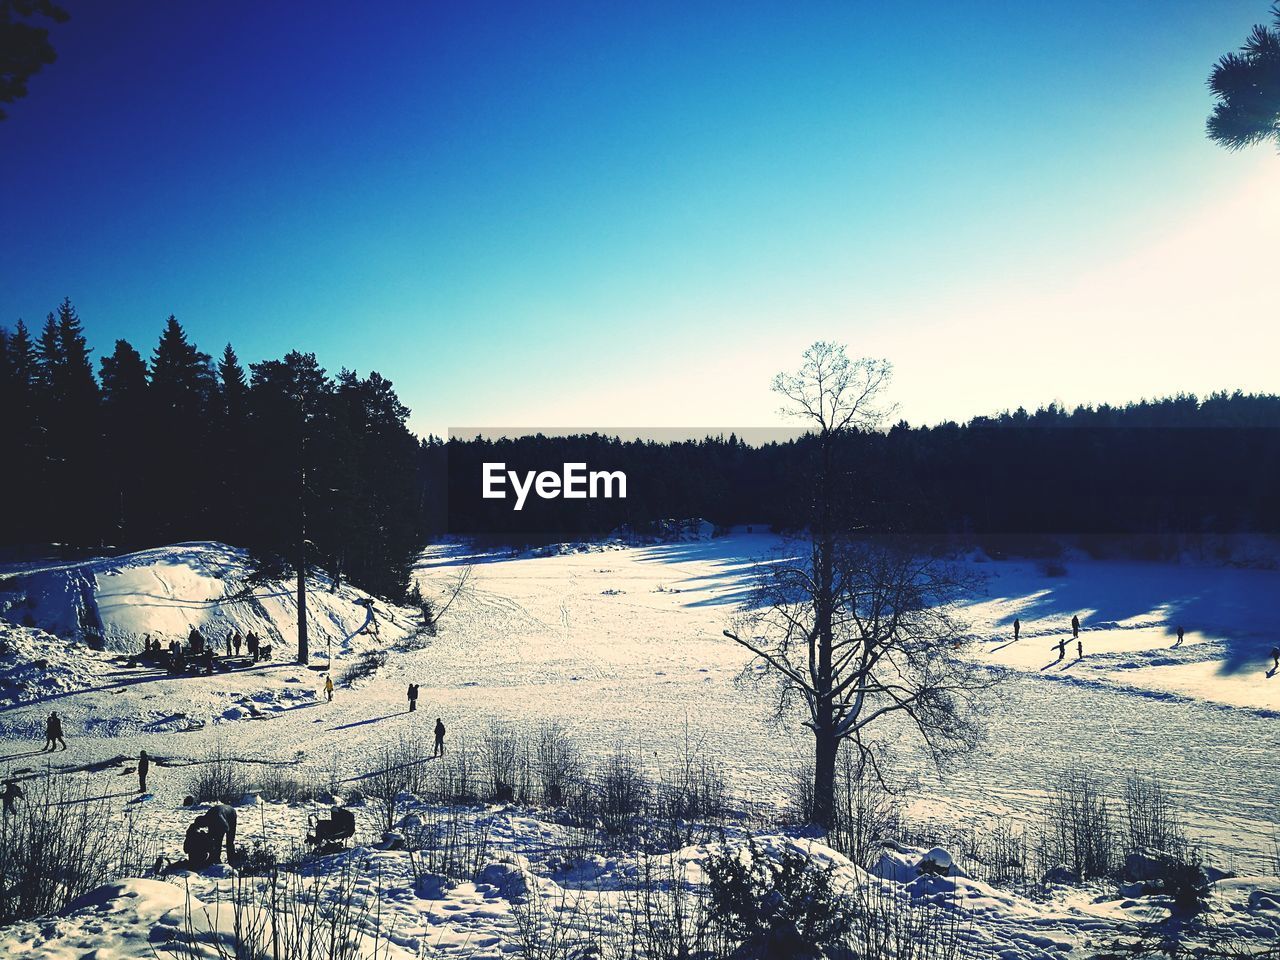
{"x": 188, "y": 801}
{"x": 439, "y": 751}
{"x": 340, "y": 826}
{"x": 11, "y": 793}
{"x": 53, "y": 732}
{"x": 1075, "y": 627}
{"x": 1060, "y": 875}
{"x": 144, "y": 765}
{"x": 413, "y": 697}
{"x": 1017, "y": 627}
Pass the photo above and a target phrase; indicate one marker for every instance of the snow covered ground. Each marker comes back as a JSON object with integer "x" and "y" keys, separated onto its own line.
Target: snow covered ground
{"x": 625, "y": 646}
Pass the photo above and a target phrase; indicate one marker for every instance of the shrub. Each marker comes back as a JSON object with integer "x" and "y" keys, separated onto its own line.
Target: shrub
{"x": 60, "y": 842}
{"x": 780, "y": 907}
{"x": 557, "y": 765}
{"x": 218, "y": 778}
{"x": 1077, "y": 832}
{"x": 1150, "y": 821}
{"x": 622, "y": 792}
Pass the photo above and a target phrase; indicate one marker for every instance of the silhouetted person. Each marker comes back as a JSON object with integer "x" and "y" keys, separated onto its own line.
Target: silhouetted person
{"x": 12, "y": 793}
{"x": 1275, "y": 657}
{"x": 413, "y": 697}
{"x": 1017, "y": 627}
{"x": 196, "y": 641}
{"x": 1075, "y": 628}
{"x": 206, "y": 659}
{"x": 1079, "y": 649}
{"x": 1062, "y": 649}
{"x": 144, "y": 764}
{"x": 252, "y": 642}
{"x": 220, "y": 821}
{"x": 1179, "y": 643}
{"x": 235, "y": 641}
{"x": 228, "y": 644}
{"x": 197, "y": 846}
{"x": 439, "y": 751}
{"x": 328, "y": 687}
{"x": 53, "y": 732}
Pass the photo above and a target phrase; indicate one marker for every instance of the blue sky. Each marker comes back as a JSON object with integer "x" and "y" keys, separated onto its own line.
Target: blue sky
{"x": 615, "y": 214}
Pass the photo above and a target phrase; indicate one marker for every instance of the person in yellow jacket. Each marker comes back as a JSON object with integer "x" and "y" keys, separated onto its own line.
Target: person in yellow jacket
{"x": 328, "y": 687}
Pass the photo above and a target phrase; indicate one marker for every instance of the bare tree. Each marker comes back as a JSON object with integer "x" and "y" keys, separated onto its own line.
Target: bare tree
{"x": 859, "y": 630}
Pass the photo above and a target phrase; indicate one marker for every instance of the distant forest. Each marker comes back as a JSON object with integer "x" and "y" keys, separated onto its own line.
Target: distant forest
{"x": 179, "y": 446}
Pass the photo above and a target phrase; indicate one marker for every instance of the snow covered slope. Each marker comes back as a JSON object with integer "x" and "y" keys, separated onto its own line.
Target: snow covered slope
{"x": 166, "y": 591}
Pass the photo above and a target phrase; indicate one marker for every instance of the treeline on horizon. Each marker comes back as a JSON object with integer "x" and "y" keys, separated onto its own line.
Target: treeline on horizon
{"x": 1172, "y": 466}
{"x": 177, "y": 447}
{"x": 174, "y": 446}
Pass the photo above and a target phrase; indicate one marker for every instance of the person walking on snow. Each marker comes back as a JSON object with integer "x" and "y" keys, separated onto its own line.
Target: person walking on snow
{"x": 1179, "y": 643}
{"x": 1062, "y": 649}
{"x": 439, "y": 751}
{"x": 144, "y": 764}
{"x": 1079, "y": 649}
{"x": 1017, "y": 628}
{"x": 53, "y": 732}
{"x": 1275, "y": 656}
{"x": 1075, "y": 628}
{"x": 328, "y": 687}
{"x": 413, "y": 697}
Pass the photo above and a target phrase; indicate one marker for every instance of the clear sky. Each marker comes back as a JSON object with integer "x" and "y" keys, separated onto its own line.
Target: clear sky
{"x": 609, "y": 214}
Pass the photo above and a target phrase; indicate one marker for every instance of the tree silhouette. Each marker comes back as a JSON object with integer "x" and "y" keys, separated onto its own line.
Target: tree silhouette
{"x": 1247, "y": 87}
{"x": 24, "y": 47}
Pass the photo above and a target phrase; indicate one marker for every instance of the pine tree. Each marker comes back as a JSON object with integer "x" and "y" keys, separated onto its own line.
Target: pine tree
{"x": 183, "y": 392}
{"x": 125, "y": 395}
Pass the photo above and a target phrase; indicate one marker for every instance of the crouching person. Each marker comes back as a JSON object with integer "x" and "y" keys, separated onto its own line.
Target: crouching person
{"x": 220, "y": 822}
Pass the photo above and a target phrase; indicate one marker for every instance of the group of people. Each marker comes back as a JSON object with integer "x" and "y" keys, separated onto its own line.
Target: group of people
{"x": 198, "y": 653}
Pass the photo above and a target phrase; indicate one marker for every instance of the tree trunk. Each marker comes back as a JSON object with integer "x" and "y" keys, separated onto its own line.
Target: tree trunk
{"x": 826, "y": 746}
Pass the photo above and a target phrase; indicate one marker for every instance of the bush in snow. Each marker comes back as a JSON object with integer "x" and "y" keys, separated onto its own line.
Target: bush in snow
{"x": 622, "y": 791}
{"x": 777, "y": 907}
{"x": 1150, "y": 820}
{"x": 1078, "y": 832}
{"x": 557, "y": 765}
{"x": 61, "y": 841}
{"x": 218, "y": 778}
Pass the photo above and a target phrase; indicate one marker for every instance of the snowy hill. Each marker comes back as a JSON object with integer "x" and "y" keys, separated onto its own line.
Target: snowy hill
{"x": 166, "y": 591}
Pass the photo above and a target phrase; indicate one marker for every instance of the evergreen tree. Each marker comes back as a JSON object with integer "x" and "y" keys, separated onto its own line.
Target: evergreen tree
{"x": 183, "y": 390}
{"x": 67, "y": 408}
{"x": 125, "y": 397}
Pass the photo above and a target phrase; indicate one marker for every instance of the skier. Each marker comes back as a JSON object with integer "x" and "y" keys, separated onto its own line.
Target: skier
{"x": 439, "y": 751}
{"x": 328, "y": 687}
{"x": 53, "y": 732}
{"x": 11, "y": 793}
{"x": 1017, "y": 627}
{"x": 1075, "y": 628}
{"x": 413, "y": 697}
{"x": 144, "y": 764}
